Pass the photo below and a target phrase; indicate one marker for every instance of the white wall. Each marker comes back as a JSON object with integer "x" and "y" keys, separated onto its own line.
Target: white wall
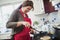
{"x": 55, "y": 1}
{"x": 4, "y": 2}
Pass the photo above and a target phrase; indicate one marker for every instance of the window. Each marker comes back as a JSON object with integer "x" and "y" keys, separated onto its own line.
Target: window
{"x": 16, "y": 6}
{"x": 5, "y": 13}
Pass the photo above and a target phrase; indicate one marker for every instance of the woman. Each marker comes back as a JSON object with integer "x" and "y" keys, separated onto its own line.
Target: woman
{"x": 20, "y": 23}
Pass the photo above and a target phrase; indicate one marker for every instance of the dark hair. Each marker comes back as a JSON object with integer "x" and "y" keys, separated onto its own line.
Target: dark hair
{"x": 26, "y": 3}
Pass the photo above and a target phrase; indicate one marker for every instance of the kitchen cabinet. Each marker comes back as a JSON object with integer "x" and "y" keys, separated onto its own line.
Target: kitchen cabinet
{"x": 38, "y": 6}
{"x": 48, "y": 6}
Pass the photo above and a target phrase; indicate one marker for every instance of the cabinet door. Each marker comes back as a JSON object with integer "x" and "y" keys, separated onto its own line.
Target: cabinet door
{"x": 38, "y": 6}
{"x": 48, "y": 6}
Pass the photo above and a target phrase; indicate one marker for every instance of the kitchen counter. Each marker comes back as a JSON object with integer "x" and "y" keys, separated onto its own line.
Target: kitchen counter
{"x": 6, "y": 35}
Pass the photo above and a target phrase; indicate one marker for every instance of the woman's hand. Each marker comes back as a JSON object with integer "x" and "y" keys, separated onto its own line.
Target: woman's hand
{"x": 32, "y": 31}
{"x": 27, "y": 24}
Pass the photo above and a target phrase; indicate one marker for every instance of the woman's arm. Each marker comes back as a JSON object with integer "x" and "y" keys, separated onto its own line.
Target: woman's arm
{"x": 12, "y": 22}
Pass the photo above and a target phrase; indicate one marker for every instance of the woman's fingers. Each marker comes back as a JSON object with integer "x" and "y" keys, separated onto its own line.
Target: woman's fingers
{"x": 27, "y": 24}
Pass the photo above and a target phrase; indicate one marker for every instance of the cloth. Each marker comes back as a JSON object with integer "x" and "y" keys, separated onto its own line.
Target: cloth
{"x": 24, "y": 35}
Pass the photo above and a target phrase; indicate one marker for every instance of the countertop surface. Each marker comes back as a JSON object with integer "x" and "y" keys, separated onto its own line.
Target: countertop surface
{"x": 6, "y": 34}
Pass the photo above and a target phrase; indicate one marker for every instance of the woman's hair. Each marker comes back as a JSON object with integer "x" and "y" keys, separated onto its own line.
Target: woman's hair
{"x": 26, "y": 3}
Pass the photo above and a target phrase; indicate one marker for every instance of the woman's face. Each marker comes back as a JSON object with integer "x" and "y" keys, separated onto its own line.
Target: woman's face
{"x": 27, "y": 9}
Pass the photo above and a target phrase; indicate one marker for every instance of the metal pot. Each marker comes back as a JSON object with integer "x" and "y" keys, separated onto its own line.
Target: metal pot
{"x": 57, "y": 32}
